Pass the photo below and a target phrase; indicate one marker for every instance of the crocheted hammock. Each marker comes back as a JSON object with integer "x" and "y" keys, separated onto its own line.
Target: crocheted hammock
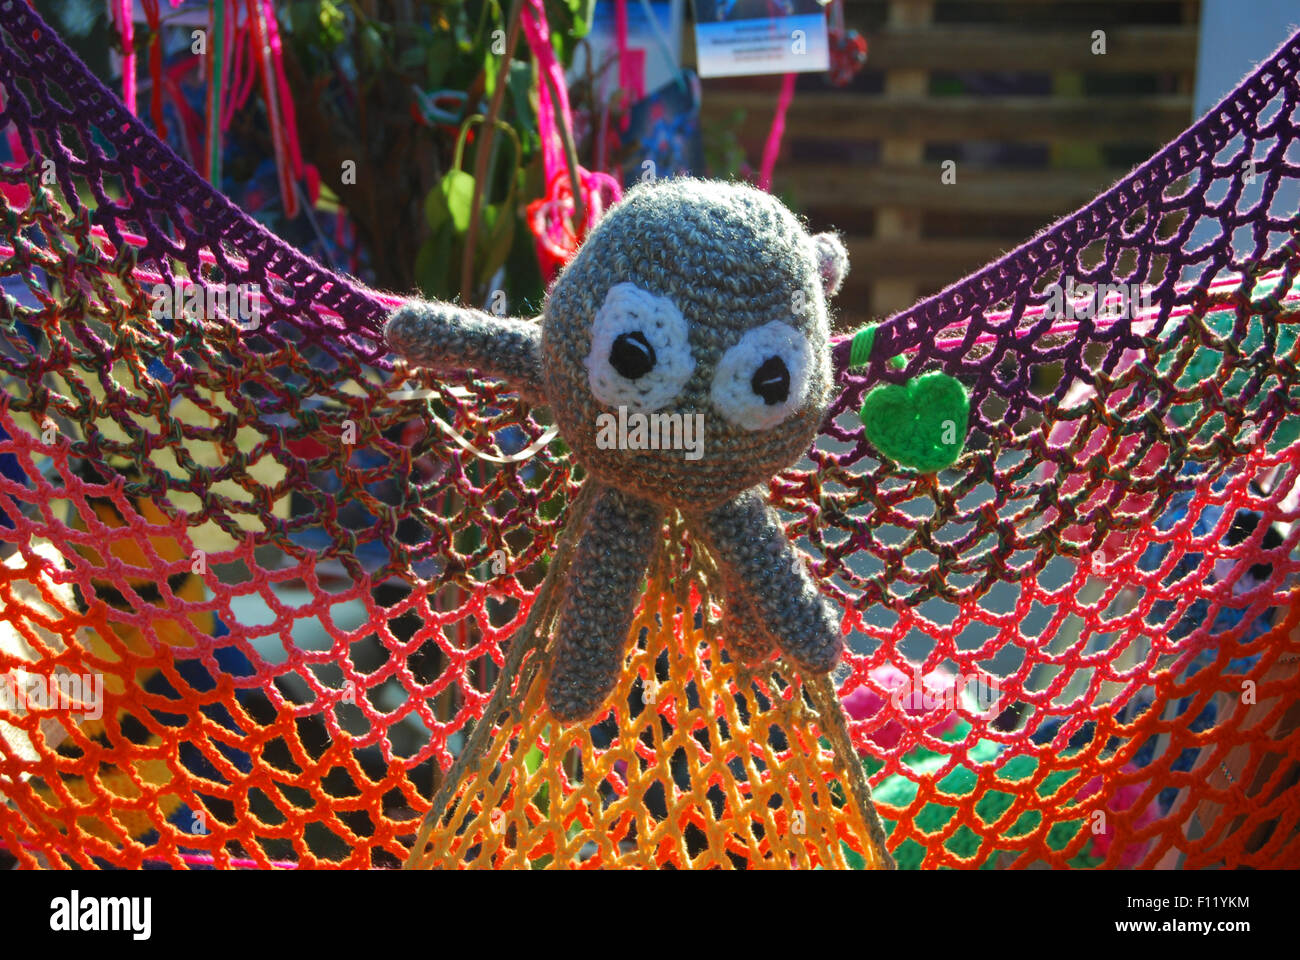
{"x": 297, "y": 569}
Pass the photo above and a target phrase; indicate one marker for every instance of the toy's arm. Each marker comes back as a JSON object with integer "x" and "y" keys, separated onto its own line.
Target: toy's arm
{"x": 752, "y": 548}
{"x": 443, "y": 336}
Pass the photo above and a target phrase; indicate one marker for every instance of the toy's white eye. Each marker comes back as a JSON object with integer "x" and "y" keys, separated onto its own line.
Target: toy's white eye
{"x": 640, "y": 352}
{"x": 764, "y": 378}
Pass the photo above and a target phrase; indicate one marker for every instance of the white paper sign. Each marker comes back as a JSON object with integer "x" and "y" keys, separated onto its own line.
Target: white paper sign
{"x": 735, "y": 38}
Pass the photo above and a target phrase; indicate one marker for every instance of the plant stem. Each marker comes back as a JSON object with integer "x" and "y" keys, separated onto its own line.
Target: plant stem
{"x": 831, "y": 719}
{"x": 483, "y": 150}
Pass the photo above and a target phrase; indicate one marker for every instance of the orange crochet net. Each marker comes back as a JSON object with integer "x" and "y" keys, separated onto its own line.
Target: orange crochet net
{"x": 298, "y": 577}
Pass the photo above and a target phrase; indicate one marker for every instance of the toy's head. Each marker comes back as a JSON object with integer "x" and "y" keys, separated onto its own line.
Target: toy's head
{"x": 685, "y": 348}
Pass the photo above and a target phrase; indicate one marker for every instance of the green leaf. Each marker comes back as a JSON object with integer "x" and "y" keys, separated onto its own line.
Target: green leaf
{"x": 458, "y": 188}
{"x": 583, "y": 13}
{"x": 562, "y": 17}
{"x": 433, "y": 266}
{"x": 464, "y": 30}
{"x": 496, "y": 235}
{"x": 410, "y": 58}
{"x": 372, "y": 46}
{"x": 436, "y": 213}
{"x": 441, "y": 50}
{"x": 524, "y": 287}
{"x": 518, "y": 85}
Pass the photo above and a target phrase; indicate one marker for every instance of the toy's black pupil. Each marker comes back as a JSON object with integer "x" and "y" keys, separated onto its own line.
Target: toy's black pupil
{"x": 772, "y": 381}
{"x": 632, "y": 356}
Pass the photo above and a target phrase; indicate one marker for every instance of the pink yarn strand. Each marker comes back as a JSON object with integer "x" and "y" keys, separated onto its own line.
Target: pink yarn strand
{"x": 290, "y": 115}
{"x": 773, "y": 148}
{"x": 124, "y": 11}
{"x": 537, "y": 33}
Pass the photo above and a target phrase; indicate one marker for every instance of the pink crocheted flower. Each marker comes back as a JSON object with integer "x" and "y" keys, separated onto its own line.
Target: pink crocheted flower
{"x": 938, "y": 686}
{"x": 1122, "y": 800}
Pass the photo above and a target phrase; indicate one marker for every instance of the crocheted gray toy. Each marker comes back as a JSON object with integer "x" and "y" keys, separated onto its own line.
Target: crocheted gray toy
{"x": 684, "y": 352}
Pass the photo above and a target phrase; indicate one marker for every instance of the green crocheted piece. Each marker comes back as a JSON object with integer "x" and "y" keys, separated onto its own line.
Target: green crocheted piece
{"x": 860, "y": 348}
{"x": 970, "y": 840}
{"x": 921, "y": 424}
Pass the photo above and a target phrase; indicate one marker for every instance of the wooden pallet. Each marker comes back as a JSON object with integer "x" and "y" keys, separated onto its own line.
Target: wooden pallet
{"x": 867, "y": 159}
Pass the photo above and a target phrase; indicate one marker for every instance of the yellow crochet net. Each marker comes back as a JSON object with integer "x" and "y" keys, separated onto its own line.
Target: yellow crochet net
{"x": 710, "y": 766}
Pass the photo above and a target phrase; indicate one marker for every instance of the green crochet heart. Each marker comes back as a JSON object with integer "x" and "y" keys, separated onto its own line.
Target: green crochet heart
{"x": 921, "y": 424}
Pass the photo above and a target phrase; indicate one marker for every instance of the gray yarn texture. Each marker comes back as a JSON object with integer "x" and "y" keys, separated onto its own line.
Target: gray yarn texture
{"x": 731, "y": 259}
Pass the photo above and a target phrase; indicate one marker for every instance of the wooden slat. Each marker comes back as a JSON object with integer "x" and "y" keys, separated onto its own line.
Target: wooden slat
{"x": 901, "y": 223}
{"x": 1129, "y": 49}
{"x": 1073, "y": 153}
{"x": 841, "y": 117}
{"x": 919, "y": 259}
{"x": 990, "y": 191}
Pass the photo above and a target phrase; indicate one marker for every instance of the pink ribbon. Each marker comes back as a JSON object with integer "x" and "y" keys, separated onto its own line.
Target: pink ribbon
{"x": 599, "y": 190}
{"x": 772, "y": 149}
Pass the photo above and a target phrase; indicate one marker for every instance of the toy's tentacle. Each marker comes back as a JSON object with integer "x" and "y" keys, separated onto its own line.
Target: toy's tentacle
{"x": 603, "y": 585}
{"x": 748, "y": 539}
{"x": 744, "y": 635}
{"x": 444, "y": 336}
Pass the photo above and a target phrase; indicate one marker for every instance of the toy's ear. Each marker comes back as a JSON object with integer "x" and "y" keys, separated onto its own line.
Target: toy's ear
{"x": 832, "y": 261}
